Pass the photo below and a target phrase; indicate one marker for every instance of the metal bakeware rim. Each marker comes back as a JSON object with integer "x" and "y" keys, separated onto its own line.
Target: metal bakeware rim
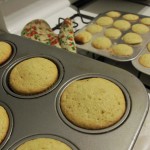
{"x": 11, "y": 66}
{"x": 14, "y": 50}
{"x": 10, "y": 129}
{"x": 99, "y": 131}
{"x": 52, "y": 136}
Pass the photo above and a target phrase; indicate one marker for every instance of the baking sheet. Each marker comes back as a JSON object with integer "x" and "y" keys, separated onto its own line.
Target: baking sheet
{"x": 39, "y": 116}
{"x": 107, "y": 53}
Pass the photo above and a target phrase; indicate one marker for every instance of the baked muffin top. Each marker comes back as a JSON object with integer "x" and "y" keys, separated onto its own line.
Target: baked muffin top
{"x": 33, "y": 76}
{"x": 4, "y": 123}
{"x": 144, "y": 60}
{"x": 132, "y": 38}
{"x": 102, "y": 43}
{"x": 94, "y": 28}
{"x": 122, "y": 50}
{"x": 43, "y": 144}
{"x": 83, "y": 37}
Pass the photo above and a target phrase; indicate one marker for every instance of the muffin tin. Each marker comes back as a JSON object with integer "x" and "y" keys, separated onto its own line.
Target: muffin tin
{"x": 108, "y": 53}
{"x": 140, "y": 67}
{"x": 41, "y": 116}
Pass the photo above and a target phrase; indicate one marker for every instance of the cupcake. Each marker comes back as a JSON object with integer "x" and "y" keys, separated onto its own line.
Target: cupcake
{"x": 93, "y": 103}
{"x": 144, "y": 60}
{"x": 5, "y": 52}
{"x": 33, "y": 76}
{"x": 4, "y": 124}
{"x": 43, "y": 144}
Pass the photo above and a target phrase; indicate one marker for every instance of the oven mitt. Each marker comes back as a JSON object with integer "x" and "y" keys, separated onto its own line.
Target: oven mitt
{"x": 39, "y": 30}
{"x": 66, "y": 36}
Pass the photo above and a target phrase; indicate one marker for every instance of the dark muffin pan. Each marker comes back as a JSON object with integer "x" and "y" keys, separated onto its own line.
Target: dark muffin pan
{"x": 40, "y": 115}
{"x": 137, "y": 48}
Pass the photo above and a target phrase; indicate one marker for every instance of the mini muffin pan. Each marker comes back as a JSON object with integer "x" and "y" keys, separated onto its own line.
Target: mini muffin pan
{"x": 41, "y": 116}
{"x": 137, "y": 48}
{"x": 140, "y": 67}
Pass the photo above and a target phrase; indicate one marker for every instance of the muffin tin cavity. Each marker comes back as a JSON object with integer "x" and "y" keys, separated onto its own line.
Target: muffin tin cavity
{"x": 6, "y": 76}
{"x": 55, "y": 137}
{"x": 13, "y": 52}
{"x": 10, "y": 128}
{"x": 123, "y": 24}
{"x": 98, "y": 130}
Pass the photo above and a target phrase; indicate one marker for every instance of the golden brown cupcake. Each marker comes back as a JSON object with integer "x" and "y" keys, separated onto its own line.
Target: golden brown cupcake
{"x": 122, "y": 50}
{"x": 104, "y": 21}
{"x": 102, "y": 43}
{"x": 122, "y": 25}
{"x": 43, "y": 144}
{"x": 93, "y": 103}
{"x": 112, "y": 33}
{"x": 132, "y": 38}
{"x": 5, "y": 52}
{"x": 145, "y": 21}
{"x": 131, "y": 17}
{"x": 140, "y": 28}
{"x": 144, "y": 60}
{"x": 4, "y": 124}
{"x": 83, "y": 37}
{"x": 94, "y": 28}
{"x": 32, "y": 76}
{"x": 113, "y": 14}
